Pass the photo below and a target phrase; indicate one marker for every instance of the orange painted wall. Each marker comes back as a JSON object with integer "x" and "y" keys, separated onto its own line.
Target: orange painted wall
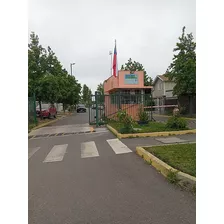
{"x": 118, "y": 82}
{"x": 140, "y": 80}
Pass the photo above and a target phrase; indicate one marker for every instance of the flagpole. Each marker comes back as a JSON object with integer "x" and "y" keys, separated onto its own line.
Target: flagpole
{"x": 116, "y": 58}
{"x": 110, "y": 53}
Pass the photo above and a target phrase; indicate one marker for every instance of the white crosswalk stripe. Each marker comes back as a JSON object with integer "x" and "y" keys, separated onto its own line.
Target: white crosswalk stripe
{"x": 32, "y": 151}
{"x": 118, "y": 146}
{"x": 56, "y": 154}
{"x": 88, "y": 149}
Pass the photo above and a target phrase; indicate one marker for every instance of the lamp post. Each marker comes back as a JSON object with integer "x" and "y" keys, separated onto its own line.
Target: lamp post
{"x": 71, "y": 64}
{"x": 110, "y": 53}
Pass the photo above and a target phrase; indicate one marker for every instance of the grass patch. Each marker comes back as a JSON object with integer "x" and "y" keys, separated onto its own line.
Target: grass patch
{"x": 181, "y": 156}
{"x": 151, "y": 127}
{"x": 30, "y": 127}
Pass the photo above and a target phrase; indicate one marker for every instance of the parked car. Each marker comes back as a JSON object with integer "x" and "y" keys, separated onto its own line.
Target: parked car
{"x": 81, "y": 108}
{"x": 46, "y": 111}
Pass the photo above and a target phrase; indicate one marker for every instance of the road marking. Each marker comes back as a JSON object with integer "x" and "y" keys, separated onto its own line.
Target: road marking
{"x": 32, "y": 151}
{"x": 118, "y": 146}
{"x": 88, "y": 149}
{"x": 56, "y": 154}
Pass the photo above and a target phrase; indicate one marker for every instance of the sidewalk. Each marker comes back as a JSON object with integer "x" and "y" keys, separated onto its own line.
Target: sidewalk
{"x": 132, "y": 143}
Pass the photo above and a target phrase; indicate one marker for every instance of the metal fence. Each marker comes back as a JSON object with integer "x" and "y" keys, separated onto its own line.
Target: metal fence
{"x": 165, "y": 105}
{"x": 32, "y": 118}
{"x": 105, "y": 107}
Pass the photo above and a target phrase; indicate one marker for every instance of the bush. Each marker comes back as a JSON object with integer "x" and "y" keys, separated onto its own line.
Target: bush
{"x": 143, "y": 115}
{"x": 126, "y": 120}
{"x": 176, "y": 122}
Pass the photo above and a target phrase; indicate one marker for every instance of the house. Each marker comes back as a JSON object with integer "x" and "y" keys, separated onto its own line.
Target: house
{"x": 126, "y": 92}
{"x": 163, "y": 92}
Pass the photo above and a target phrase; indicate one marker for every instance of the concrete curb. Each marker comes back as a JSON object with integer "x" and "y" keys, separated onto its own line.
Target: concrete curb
{"x": 50, "y": 122}
{"x": 185, "y": 180}
{"x": 150, "y": 134}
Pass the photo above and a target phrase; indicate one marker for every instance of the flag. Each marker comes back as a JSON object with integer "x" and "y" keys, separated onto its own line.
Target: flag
{"x": 115, "y": 68}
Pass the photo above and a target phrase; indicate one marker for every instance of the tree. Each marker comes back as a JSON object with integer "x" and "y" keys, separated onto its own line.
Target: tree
{"x": 47, "y": 78}
{"x": 183, "y": 68}
{"x": 100, "y": 88}
{"x": 36, "y": 66}
{"x": 49, "y": 88}
{"x": 86, "y": 94}
{"x": 133, "y": 66}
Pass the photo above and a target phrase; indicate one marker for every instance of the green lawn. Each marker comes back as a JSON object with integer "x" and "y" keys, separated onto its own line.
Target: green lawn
{"x": 181, "y": 156}
{"x": 151, "y": 127}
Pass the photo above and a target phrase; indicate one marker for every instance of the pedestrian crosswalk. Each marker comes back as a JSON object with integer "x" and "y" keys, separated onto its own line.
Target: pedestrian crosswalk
{"x": 118, "y": 146}
{"x": 56, "y": 154}
{"x": 32, "y": 151}
{"x": 89, "y": 149}
{"x": 86, "y": 149}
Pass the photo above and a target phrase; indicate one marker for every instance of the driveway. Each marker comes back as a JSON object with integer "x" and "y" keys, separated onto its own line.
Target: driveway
{"x": 94, "y": 178}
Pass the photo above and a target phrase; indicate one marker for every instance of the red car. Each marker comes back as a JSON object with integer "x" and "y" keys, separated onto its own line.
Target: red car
{"x": 47, "y": 111}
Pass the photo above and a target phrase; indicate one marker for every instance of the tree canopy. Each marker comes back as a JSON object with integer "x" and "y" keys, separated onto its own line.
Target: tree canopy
{"x": 47, "y": 78}
{"x": 182, "y": 70}
{"x": 136, "y": 66}
{"x": 86, "y": 94}
{"x": 100, "y": 88}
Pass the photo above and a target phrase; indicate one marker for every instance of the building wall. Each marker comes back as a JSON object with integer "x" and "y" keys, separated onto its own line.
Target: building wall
{"x": 158, "y": 89}
{"x": 122, "y": 84}
{"x": 119, "y": 81}
{"x": 169, "y": 89}
{"x": 110, "y": 83}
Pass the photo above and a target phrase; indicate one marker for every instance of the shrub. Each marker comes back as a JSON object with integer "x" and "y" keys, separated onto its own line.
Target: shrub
{"x": 126, "y": 120}
{"x": 143, "y": 115}
{"x": 172, "y": 177}
{"x": 176, "y": 122}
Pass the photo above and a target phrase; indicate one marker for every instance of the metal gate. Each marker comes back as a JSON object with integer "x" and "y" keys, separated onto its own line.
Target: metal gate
{"x": 105, "y": 107}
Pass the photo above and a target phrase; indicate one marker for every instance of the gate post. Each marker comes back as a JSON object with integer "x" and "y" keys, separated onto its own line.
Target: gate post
{"x": 97, "y": 116}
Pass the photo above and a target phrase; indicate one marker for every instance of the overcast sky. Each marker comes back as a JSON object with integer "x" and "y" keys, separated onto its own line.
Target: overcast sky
{"x": 83, "y": 31}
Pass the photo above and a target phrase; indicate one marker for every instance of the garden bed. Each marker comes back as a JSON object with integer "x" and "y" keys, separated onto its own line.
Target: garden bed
{"x": 151, "y": 127}
{"x": 181, "y": 156}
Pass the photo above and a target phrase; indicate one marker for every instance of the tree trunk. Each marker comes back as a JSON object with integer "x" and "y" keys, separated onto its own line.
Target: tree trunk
{"x": 63, "y": 107}
{"x": 39, "y": 102}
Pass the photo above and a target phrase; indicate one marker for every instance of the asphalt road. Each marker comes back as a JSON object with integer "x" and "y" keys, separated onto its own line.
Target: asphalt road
{"x": 82, "y": 179}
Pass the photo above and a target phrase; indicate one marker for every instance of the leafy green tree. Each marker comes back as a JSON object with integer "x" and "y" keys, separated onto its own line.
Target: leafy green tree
{"x": 133, "y": 66}
{"x": 47, "y": 78}
{"x": 183, "y": 68}
{"x": 100, "y": 88}
{"x": 86, "y": 94}
{"x": 48, "y": 88}
{"x": 36, "y": 66}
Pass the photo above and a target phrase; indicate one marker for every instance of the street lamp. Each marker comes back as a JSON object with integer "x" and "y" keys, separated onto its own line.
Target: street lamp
{"x": 71, "y": 66}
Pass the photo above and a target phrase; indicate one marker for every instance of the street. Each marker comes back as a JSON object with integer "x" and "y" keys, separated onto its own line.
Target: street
{"x": 94, "y": 178}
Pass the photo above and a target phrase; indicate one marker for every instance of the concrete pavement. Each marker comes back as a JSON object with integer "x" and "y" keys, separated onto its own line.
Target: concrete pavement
{"x": 95, "y": 178}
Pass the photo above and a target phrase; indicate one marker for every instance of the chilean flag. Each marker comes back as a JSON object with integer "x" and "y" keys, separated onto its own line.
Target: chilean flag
{"x": 115, "y": 68}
